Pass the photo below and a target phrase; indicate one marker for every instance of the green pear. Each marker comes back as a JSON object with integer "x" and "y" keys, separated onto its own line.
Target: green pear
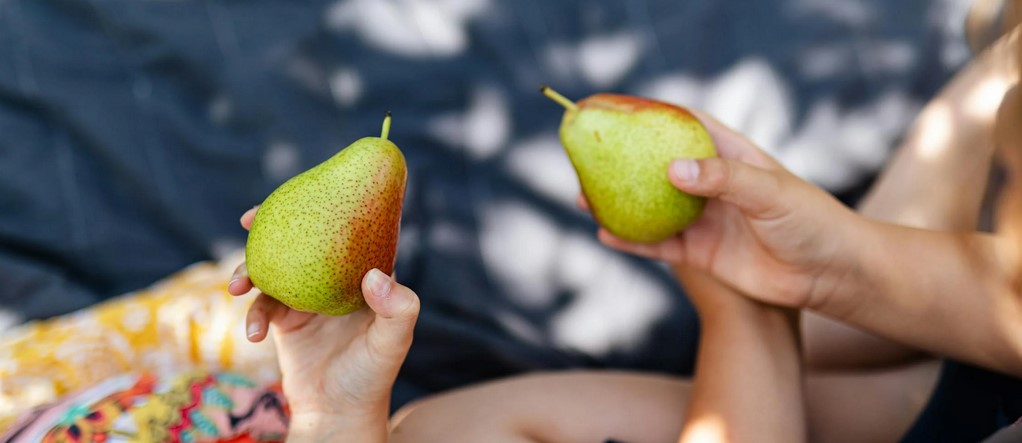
{"x": 621, "y": 147}
{"x": 317, "y": 235}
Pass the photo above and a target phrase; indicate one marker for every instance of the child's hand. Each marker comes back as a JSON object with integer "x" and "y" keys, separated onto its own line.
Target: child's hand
{"x": 337, "y": 371}
{"x": 764, "y": 231}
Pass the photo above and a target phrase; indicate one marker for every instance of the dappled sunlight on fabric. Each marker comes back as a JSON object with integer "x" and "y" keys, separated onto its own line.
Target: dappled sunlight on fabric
{"x": 223, "y": 247}
{"x": 483, "y": 129}
{"x": 521, "y": 328}
{"x": 580, "y": 260}
{"x": 616, "y": 310}
{"x": 8, "y": 319}
{"x": 865, "y": 132}
{"x": 306, "y": 73}
{"x": 752, "y": 97}
{"x": 806, "y": 156}
{"x": 678, "y": 88}
{"x": 541, "y": 163}
{"x": 601, "y": 60}
{"x": 281, "y": 160}
{"x": 448, "y": 237}
{"x": 848, "y": 12}
{"x": 411, "y": 28}
{"x": 834, "y": 149}
{"x": 519, "y": 244}
{"x": 872, "y": 58}
{"x": 605, "y": 59}
{"x": 948, "y": 17}
{"x": 887, "y": 57}
{"x": 409, "y": 244}
{"x": 220, "y": 109}
{"x": 560, "y": 61}
{"x": 346, "y": 86}
{"x": 487, "y": 122}
{"x": 824, "y": 61}
{"x": 447, "y": 128}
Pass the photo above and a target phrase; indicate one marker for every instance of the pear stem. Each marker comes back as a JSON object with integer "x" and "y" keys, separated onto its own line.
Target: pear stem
{"x": 386, "y": 126}
{"x": 560, "y": 99}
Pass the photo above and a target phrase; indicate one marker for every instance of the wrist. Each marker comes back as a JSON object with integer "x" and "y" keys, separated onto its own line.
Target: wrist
{"x": 841, "y": 283}
{"x": 839, "y": 275}
{"x": 750, "y": 314}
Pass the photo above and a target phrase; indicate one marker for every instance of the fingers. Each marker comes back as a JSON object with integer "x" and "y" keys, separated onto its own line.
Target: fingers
{"x": 266, "y": 310}
{"x": 240, "y": 283}
{"x": 671, "y": 250}
{"x": 582, "y": 203}
{"x": 257, "y": 322}
{"x": 396, "y": 307}
{"x": 755, "y": 191}
{"x": 248, "y": 217}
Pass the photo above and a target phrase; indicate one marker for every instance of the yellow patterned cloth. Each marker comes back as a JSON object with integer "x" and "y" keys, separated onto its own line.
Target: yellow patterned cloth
{"x": 185, "y": 322}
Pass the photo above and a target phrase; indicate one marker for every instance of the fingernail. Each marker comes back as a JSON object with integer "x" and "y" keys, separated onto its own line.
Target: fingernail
{"x": 230, "y": 284}
{"x": 687, "y": 170}
{"x": 379, "y": 283}
{"x": 253, "y": 330}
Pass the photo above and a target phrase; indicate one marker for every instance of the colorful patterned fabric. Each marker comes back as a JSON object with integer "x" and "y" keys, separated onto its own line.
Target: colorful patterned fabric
{"x": 186, "y": 322}
{"x": 189, "y": 408}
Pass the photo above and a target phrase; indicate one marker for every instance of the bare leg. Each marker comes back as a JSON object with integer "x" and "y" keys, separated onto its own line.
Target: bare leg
{"x": 1009, "y": 204}
{"x": 636, "y": 408}
{"x": 558, "y": 407}
{"x": 936, "y": 180}
{"x": 1008, "y": 138}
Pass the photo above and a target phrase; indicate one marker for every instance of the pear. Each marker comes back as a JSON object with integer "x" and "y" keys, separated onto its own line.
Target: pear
{"x": 317, "y": 235}
{"x": 621, "y": 147}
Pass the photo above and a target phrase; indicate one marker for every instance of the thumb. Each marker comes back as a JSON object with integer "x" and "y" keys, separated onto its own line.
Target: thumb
{"x": 756, "y": 192}
{"x": 396, "y": 307}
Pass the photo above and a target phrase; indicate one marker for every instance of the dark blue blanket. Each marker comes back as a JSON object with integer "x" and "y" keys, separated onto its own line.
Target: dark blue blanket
{"x": 133, "y": 133}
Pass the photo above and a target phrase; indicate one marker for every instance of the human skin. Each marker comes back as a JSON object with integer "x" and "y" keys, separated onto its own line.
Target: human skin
{"x": 936, "y": 179}
{"x": 984, "y": 264}
{"x": 338, "y": 372}
{"x": 765, "y": 225}
{"x": 748, "y": 376}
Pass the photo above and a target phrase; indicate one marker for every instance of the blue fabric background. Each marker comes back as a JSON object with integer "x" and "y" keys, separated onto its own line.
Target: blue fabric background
{"x": 133, "y": 133}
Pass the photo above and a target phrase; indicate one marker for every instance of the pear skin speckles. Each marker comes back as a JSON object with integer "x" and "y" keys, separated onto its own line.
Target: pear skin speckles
{"x": 316, "y": 236}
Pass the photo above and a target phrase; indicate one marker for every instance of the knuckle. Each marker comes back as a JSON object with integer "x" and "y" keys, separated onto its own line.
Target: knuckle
{"x": 719, "y": 176}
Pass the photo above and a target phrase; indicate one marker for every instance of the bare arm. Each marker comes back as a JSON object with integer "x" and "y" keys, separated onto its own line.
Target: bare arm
{"x": 950, "y": 294}
{"x": 974, "y": 279}
{"x": 748, "y": 379}
{"x": 936, "y": 180}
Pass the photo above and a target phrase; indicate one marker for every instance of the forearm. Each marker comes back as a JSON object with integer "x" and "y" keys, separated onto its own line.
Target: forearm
{"x": 921, "y": 189}
{"x": 953, "y": 294}
{"x": 748, "y": 383}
